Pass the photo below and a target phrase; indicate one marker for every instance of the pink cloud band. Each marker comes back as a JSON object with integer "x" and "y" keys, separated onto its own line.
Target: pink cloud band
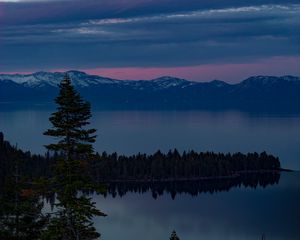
{"x": 231, "y": 72}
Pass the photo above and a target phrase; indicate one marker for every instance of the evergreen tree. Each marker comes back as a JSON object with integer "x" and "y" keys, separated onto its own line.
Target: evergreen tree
{"x": 74, "y": 210}
{"x": 174, "y": 236}
{"x": 21, "y": 215}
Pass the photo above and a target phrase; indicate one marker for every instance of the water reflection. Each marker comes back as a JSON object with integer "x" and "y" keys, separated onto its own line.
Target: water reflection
{"x": 194, "y": 188}
{"x": 241, "y": 213}
{"x": 21, "y": 207}
{"x": 256, "y": 204}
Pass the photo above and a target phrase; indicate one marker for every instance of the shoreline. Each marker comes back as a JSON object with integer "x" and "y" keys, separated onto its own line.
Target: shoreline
{"x": 233, "y": 176}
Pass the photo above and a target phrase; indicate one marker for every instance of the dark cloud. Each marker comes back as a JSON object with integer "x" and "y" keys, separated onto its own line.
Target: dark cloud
{"x": 25, "y": 12}
{"x": 111, "y": 33}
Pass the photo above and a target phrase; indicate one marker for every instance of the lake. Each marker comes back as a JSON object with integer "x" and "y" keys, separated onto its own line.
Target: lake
{"x": 130, "y": 132}
{"x": 240, "y": 213}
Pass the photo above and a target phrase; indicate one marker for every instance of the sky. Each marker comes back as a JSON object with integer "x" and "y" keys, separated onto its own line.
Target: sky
{"x": 199, "y": 40}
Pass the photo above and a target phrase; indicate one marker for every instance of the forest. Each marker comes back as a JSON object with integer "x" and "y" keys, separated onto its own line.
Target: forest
{"x": 173, "y": 172}
{"x": 175, "y": 166}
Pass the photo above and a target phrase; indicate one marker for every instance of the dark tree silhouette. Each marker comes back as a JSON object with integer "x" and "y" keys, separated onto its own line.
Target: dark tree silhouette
{"x": 75, "y": 210}
{"x": 21, "y": 215}
{"x": 190, "y": 172}
{"x": 175, "y": 166}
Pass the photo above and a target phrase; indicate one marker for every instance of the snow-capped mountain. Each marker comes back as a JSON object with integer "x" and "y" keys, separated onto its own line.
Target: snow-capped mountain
{"x": 165, "y": 92}
{"x": 268, "y": 80}
{"x": 43, "y": 79}
{"x": 81, "y": 79}
{"x": 168, "y": 82}
{"x": 161, "y": 83}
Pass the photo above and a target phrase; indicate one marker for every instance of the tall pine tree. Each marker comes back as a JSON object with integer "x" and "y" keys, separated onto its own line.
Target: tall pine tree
{"x": 72, "y": 218}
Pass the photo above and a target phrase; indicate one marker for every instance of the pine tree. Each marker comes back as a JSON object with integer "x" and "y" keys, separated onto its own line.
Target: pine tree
{"x": 174, "y": 236}
{"x": 74, "y": 210}
{"x": 21, "y": 215}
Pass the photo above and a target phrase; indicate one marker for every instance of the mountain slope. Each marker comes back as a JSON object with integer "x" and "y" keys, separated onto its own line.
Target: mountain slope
{"x": 267, "y": 92}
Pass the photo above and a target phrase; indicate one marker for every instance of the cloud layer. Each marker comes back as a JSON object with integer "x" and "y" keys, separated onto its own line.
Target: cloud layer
{"x": 143, "y": 33}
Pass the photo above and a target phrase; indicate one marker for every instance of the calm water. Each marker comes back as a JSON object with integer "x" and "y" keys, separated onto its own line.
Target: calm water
{"x": 129, "y": 132}
{"x": 241, "y": 213}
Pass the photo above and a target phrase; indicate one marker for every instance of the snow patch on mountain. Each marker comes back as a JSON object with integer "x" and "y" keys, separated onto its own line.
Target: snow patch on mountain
{"x": 46, "y": 79}
{"x": 268, "y": 80}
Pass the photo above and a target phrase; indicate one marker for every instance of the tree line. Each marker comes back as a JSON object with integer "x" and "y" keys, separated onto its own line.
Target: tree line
{"x": 171, "y": 166}
{"x": 175, "y": 166}
{"x": 173, "y": 173}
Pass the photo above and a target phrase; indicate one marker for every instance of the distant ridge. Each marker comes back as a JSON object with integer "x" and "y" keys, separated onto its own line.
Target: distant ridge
{"x": 256, "y": 92}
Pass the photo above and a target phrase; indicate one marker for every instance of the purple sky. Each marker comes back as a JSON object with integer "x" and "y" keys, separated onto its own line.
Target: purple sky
{"x": 144, "y": 39}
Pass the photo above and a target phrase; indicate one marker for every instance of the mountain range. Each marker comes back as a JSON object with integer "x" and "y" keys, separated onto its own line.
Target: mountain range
{"x": 255, "y": 93}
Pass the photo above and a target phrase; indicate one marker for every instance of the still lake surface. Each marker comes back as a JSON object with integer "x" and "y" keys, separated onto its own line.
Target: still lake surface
{"x": 130, "y": 132}
{"x": 241, "y": 213}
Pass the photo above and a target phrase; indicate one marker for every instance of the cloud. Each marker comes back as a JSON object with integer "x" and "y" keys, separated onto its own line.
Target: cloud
{"x": 147, "y": 33}
{"x": 207, "y": 72}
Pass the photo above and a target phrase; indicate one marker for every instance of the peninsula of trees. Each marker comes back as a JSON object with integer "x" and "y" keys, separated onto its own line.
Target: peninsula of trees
{"x": 173, "y": 166}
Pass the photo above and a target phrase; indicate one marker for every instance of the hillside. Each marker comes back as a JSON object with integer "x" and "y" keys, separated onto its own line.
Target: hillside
{"x": 257, "y": 92}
